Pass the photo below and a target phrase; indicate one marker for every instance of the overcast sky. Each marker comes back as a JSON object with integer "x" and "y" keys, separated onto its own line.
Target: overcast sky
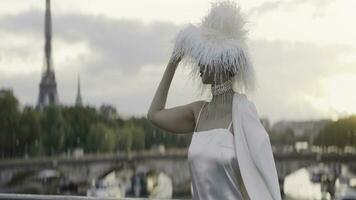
{"x": 303, "y": 51}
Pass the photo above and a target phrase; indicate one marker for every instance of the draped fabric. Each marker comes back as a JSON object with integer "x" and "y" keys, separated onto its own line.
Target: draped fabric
{"x": 254, "y": 151}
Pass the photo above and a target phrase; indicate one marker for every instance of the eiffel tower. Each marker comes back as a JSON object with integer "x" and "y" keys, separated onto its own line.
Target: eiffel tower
{"x": 48, "y": 87}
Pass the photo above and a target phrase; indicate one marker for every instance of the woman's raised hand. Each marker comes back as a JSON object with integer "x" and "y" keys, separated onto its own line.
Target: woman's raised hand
{"x": 174, "y": 60}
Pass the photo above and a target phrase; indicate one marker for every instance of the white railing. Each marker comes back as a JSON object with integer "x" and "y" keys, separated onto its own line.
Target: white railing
{"x": 4, "y": 196}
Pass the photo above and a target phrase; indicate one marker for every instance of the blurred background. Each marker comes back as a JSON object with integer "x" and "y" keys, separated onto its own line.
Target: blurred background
{"x": 77, "y": 78}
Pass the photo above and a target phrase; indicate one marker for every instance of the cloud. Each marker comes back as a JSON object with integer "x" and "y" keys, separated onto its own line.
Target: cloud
{"x": 121, "y": 62}
{"x": 271, "y": 6}
{"x": 287, "y": 72}
{"x": 123, "y": 45}
{"x": 110, "y": 54}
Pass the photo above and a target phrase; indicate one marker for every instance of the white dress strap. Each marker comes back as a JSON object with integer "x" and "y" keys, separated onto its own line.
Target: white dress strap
{"x": 196, "y": 124}
{"x": 229, "y": 125}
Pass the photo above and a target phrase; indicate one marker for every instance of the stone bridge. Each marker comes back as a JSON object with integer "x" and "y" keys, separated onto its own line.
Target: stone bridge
{"x": 174, "y": 163}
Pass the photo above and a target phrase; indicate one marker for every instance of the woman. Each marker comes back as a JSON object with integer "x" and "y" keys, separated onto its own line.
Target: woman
{"x": 230, "y": 156}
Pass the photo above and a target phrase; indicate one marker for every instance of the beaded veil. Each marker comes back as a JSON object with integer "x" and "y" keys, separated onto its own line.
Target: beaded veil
{"x": 218, "y": 44}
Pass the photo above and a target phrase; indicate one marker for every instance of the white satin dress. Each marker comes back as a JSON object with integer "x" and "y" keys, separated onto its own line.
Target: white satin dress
{"x": 214, "y": 167}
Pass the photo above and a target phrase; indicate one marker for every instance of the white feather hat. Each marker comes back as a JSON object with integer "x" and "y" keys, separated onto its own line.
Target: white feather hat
{"x": 218, "y": 43}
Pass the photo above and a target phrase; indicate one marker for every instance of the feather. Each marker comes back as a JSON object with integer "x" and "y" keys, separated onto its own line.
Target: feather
{"x": 218, "y": 43}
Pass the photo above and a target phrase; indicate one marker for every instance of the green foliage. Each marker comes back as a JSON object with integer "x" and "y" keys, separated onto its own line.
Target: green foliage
{"x": 340, "y": 133}
{"x": 29, "y": 131}
{"x": 80, "y": 120}
{"x": 9, "y": 118}
{"x": 285, "y": 138}
{"x": 57, "y": 130}
{"x": 130, "y": 137}
{"x": 100, "y": 138}
{"x": 54, "y": 130}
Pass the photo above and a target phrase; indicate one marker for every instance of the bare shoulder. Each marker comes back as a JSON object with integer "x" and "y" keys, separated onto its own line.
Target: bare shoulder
{"x": 196, "y": 106}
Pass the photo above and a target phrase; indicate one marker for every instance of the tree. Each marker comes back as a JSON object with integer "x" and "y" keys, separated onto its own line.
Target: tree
{"x": 130, "y": 137}
{"x": 100, "y": 138}
{"x": 340, "y": 133}
{"x": 285, "y": 138}
{"x": 80, "y": 120}
{"x": 29, "y": 131}
{"x": 54, "y": 130}
{"x": 9, "y": 118}
{"x": 108, "y": 111}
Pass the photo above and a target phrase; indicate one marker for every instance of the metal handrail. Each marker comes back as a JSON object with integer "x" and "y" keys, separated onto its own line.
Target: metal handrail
{"x": 4, "y": 196}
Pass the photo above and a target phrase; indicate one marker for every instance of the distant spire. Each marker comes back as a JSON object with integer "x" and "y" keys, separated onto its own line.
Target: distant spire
{"x": 78, "y": 101}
